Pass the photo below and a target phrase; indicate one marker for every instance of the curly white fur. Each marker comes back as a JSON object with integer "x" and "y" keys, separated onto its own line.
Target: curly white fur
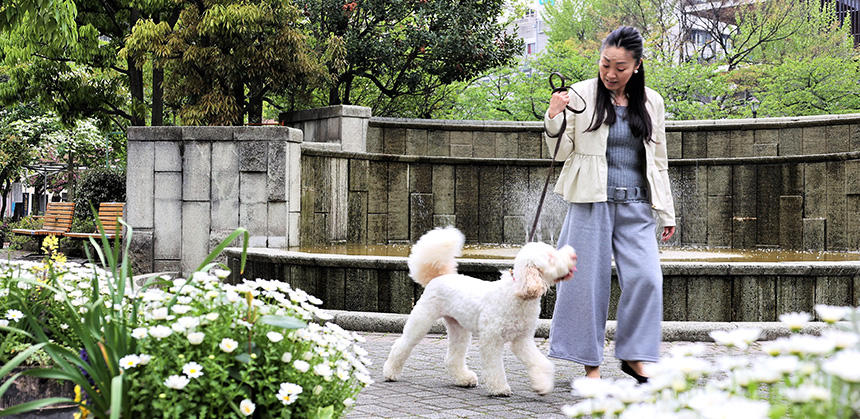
{"x": 499, "y": 311}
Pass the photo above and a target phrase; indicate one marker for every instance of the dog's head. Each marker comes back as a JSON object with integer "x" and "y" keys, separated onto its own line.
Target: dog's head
{"x": 538, "y": 266}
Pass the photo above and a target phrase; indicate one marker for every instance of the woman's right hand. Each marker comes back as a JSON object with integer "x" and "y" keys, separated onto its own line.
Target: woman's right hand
{"x": 557, "y": 103}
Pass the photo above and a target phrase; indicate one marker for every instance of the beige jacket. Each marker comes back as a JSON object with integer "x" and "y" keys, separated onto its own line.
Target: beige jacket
{"x": 584, "y": 175}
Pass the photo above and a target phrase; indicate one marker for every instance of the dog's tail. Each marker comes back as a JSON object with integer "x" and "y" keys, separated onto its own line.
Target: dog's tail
{"x": 433, "y": 255}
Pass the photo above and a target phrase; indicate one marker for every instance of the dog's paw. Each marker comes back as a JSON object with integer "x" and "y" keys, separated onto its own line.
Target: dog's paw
{"x": 501, "y": 392}
{"x": 543, "y": 388}
{"x": 468, "y": 379}
{"x": 390, "y": 373}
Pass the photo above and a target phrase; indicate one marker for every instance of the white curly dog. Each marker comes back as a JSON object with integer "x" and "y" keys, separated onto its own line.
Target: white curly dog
{"x": 496, "y": 311}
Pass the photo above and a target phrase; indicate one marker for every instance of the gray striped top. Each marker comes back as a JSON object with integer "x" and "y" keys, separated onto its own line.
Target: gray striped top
{"x": 625, "y": 154}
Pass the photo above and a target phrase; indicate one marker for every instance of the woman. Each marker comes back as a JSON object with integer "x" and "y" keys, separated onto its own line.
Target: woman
{"x": 614, "y": 175}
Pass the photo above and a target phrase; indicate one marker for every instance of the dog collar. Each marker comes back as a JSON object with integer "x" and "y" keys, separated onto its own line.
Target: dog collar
{"x": 511, "y": 271}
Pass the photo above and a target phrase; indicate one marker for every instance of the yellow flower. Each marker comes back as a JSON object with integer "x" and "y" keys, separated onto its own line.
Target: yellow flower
{"x": 79, "y": 397}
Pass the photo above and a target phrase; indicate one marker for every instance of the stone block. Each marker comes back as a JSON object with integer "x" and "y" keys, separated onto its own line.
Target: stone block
{"x": 694, "y": 144}
{"x": 276, "y": 187}
{"x": 674, "y": 298}
{"x": 394, "y": 140}
{"x": 416, "y": 142}
{"x": 769, "y": 189}
{"x": 852, "y": 226}
{"x": 334, "y": 292}
{"x": 490, "y": 205}
{"x": 169, "y": 156}
{"x": 444, "y": 220}
{"x": 694, "y": 206}
{"x": 674, "y": 141}
{"x": 401, "y": 292}
{"x": 766, "y": 136}
{"x": 358, "y": 172}
{"x": 420, "y": 214}
{"x": 461, "y": 137}
{"x": 170, "y": 266}
{"x": 225, "y": 186}
{"x": 294, "y": 180}
{"x": 277, "y": 225}
{"x": 791, "y": 222}
{"x": 814, "y": 140}
{"x": 361, "y": 290}
{"x": 792, "y": 179}
{"x": 339, "y": 210}
{"x": 838, "y": 138}
{"x": 374, "y": 140}
{"x": 709, "y": 299}
{"x": 719, "y": 221}
{"x": 719, "y": 144}
{"x": 530, "y": 144}
{"x": 332, "y": 132}
{"x": 140, "y": 172}
{"x": 614, "y": 296}
{"x": 309, "y": 130}
{"x": 356, "y": 231}
{"x": 516, "y": 229}
{"x": 377, "y": 187}
{"x": 196, "y": 168}
{"x": 206, "y": 134}
{"x": 195, "y": 234}
{"x": 461, "y": 150}
{"x": 744, "y": 232}
{"x": 319, "y": 180}
{"x": 443, "y": 189}
{"x": 465, "y": 197}
{"x": 790, "y": 141}
{"x": 141, "y": 252}
{"x": 813, "y": 233}
{"x": 765, "y": 149}
{"x": 254, "y": 217}
{"x": 754, "y": 299}
{"x": 438, "y": 143}
{"x": 832, "y": 290}
{"x": 815, "y": 204}
{"x": 252, "y": 188}
{"x": 836, "y": 238}
{"x": 719, "y": 180}
{"x": 742, "y": 143}
{"x": 307, "y": 278}
{"x": 319, "y": 229}
{"x": 377, "y": 228}
{"x": 855, "y": 137}
{"x": 855, "y": 300}
{"x": 506, "y": 145}
{"x": 167, "y": 240}
{"x": 253, "y": 156}
{"x": 353, "y": 134}
{"x": 420, "y": 178}
{"x": 852, "y": 177}
{"x": 744, "y": 191}
{"x": 398, "y": 201}
{"x": 794, "y": 294}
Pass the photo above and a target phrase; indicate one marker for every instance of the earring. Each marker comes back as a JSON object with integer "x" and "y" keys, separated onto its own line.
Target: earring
{"x": 636, "y": 71}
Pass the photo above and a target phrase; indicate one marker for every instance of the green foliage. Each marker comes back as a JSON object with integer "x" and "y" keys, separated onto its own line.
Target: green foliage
{"x": 693, "y": 90}
{"x": 20, "y": 241}
{"x": 581, "y": 21}
{"x": 810, "y": 86}
{"x": 97, "y": 185}
{"x": 397, "y": 51}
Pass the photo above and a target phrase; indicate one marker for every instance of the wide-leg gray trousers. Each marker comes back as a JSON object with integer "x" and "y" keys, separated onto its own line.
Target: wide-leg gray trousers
{"x": 599, "y": 231}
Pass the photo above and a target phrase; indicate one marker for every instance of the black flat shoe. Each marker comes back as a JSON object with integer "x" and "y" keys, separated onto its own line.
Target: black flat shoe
{"x": 627, "y": 369}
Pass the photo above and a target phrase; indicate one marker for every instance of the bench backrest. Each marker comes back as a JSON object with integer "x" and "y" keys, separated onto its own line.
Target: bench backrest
{"x": 109, "y": 212}
{"x": 58, "y": 216}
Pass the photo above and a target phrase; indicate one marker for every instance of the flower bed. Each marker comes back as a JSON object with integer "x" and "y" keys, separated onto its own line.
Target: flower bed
{"x": 176, "y": 347}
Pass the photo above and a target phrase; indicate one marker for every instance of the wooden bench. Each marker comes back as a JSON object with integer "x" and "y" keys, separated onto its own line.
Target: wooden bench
{"x": 109, "y": 214}
{"x": 56, "y": 221}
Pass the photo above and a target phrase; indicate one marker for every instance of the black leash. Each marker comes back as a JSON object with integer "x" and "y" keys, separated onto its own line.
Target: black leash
{"x": 562, "y": 87}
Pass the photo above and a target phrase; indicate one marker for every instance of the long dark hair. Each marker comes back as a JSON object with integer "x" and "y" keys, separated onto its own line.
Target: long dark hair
{"x": 629, "y": 39}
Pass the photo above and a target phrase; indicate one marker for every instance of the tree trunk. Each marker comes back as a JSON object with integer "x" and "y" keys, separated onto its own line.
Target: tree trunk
{"x": 157, "y": 97}
{"x": 70, "y": 184}
{"x": 3, "y": 192}
{"x": 239, "y": 96}
{"x": 333, "y": 95}
{"x": 135, "y": 82}
{"x": 255, "y": 102}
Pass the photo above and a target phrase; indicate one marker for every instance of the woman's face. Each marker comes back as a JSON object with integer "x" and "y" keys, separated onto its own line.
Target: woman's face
{"x": 616, "y": 67}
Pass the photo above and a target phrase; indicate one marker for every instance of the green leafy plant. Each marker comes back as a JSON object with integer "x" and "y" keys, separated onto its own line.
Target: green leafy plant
{"x": 20, "y": 241}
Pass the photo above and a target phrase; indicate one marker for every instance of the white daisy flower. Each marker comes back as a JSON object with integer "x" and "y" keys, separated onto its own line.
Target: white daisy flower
{"x": 286, "y": 357}
{"x": 192, "y": 370}
{"x": 795, "y": 321}
{"x": 14, "y": 315}
{"x": 275, "y": 337}
{"x": 176, "y": 382}
{"x": 288, "y": 393}
{"x": 228, "y": 345}
{"x": 129, "y": 361}
{"x": 196, "y": 338}
{"x": 302, "y": 366}
{"x": 831, "y": 314}
{"x": 160, "y": 332}
{"x": 139, "y": 333}
{"x": 247, "y": 407}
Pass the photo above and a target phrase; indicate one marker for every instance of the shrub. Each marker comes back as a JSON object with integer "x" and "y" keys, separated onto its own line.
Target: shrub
{"x": 24, "y": 242}
{"x": 800, "y": 376}
{"x": 194, "y": 347}
{"x": 96, "y": 185}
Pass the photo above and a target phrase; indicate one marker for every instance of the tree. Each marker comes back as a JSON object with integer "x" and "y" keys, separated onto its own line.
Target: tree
{"x": 402, "y": 48}
{"x": 217, "y": 53}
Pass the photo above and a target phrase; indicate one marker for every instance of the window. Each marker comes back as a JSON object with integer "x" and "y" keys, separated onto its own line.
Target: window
{"x": 531, "y": 48}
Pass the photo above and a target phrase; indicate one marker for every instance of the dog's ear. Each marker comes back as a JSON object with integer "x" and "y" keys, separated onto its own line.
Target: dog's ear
{"x": 530, "y": 284}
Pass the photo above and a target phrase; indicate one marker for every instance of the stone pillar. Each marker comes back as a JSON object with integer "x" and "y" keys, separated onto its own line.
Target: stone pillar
{"x": 188, "y": 188}
{"x": 344, "y": 124}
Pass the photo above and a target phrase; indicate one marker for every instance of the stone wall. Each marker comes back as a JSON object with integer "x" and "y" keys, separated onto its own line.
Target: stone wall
{"x": 190, "y": 187}
{"x": 762, "y": 183}
{"x": 720, "y": 292}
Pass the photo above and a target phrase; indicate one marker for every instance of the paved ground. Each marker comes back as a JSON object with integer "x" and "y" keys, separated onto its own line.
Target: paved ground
{"x": 426, "y": 391}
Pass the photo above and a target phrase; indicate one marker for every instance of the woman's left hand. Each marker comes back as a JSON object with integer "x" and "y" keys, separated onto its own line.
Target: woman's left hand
{"x": 668, "y": 232}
